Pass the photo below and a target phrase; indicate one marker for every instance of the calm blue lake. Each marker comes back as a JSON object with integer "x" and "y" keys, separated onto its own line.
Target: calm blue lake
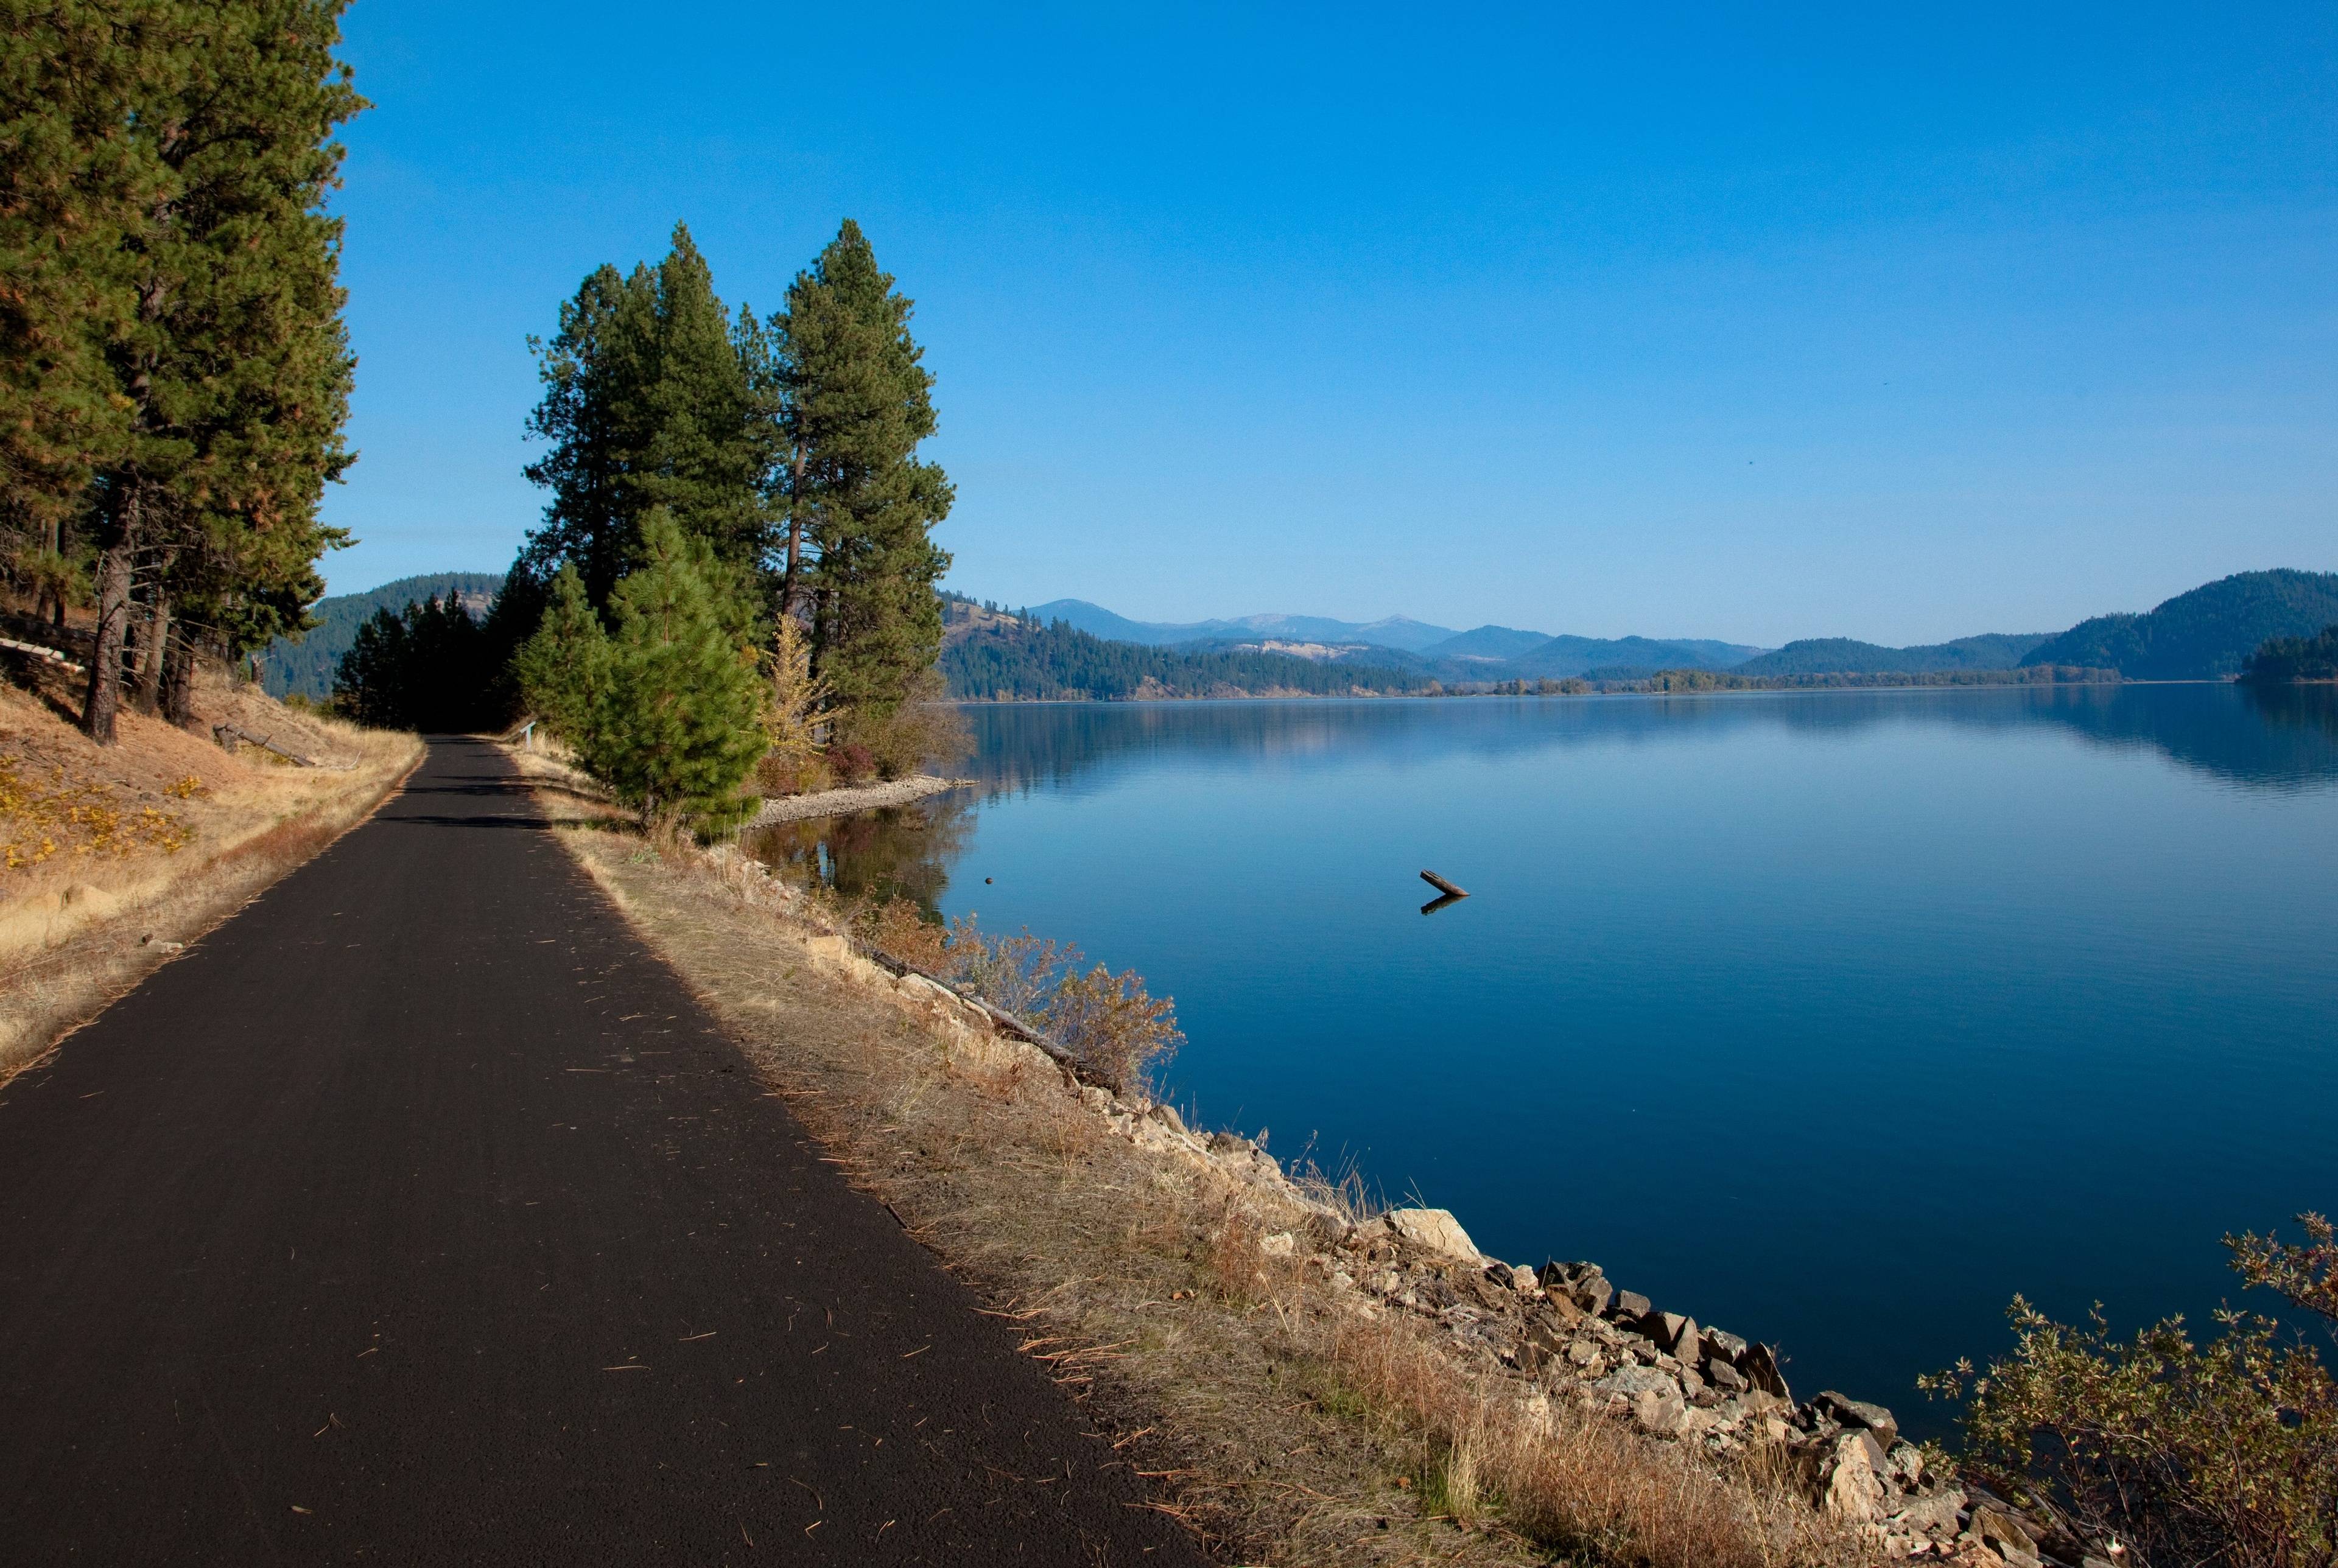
{"x": 1832, "y": 1018}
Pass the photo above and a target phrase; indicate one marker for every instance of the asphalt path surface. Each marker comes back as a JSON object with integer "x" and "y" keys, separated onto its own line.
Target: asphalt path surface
{"x": 419, "y": 1215}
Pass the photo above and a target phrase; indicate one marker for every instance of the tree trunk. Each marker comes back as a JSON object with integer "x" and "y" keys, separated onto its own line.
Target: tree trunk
{"x": 113, "y": 560}
{"x": 155, "y": 645}
{"x": 179, "y": 677}
{"x": 791, "y": 579}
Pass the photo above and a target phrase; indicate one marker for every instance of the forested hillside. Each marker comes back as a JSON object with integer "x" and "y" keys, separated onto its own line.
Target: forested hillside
{"x": 2202, "y": 635}
{"x": 991, "y": 657}
{"x": 305, "y": 664}
{"x": 1844, "y": 656}
{"x": 1565, "y": 656}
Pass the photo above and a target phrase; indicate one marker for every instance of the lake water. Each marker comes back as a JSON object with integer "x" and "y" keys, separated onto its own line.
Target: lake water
{"x": 1831, "y": 1018}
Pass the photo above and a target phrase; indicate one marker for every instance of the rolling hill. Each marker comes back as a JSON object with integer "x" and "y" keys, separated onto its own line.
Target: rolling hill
{"x": 1841, "y": 655}
{"x": 2204, "y": 634}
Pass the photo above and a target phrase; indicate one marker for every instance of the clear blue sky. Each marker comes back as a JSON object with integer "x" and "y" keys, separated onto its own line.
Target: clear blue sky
{"x": 1720, "y": 322}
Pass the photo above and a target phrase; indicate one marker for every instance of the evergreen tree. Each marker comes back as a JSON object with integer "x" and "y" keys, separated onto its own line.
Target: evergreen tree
{"x": 563, "y": 669}
{"x": 415, "y": 670}
{"x": 678, "y": 730}
{"x": 653, "y": 397}
{"x": 72, "y": 189}
{"x": 857, "y": 403}
{"x": 208, "y": 280}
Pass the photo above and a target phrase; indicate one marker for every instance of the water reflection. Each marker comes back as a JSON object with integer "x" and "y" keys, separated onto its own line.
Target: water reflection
{"x": 2283, "y": 739}
{"x": 900, "y": 852}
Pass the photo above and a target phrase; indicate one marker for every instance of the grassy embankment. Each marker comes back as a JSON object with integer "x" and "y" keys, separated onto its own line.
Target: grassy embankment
{"x": 113, "y": 857}
{"x": 1183, "y": 1305}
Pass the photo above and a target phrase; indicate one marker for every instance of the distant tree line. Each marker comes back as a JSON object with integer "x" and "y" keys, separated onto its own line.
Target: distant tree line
{"x": 174, "y": 374}
{"x": 1729, "y": 680}
{"x": 735, "y": 563}
{"x": 1057, "y": 662}
{"x": 2283, "y": 661}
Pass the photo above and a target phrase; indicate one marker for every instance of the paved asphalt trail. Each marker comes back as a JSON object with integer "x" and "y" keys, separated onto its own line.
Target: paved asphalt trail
{"x": 418, "y": 1215}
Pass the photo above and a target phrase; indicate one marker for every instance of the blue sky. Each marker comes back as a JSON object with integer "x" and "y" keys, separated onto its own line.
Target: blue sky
{"x": 1714, "y": 322}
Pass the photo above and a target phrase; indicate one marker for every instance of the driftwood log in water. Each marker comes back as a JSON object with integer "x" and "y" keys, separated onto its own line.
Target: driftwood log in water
{"x": 1443, "y": 885}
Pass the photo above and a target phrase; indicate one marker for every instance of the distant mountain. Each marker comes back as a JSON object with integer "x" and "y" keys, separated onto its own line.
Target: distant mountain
{"x": 1490, "y": 643}
{"x": 306, "y": 664}
{"x": 990, "y": 656}
{"x": 1396, "y": 632}
{"x": 1563, "y": 656}
{"x": 1841, "y": 655}
{"x": 2204, "y": 634}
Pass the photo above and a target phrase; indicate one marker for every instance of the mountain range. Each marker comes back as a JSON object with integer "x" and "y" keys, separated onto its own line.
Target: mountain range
{"x": 2199, "y": 635}
{"x": 1439, "y": 650}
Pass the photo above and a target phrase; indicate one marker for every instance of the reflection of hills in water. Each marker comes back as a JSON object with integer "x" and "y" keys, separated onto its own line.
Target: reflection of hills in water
{"x": 2284, "y": 737}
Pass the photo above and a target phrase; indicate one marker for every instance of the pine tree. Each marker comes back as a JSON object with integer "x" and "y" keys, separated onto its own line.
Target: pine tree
{"x": 72, "y": 188}
{"x": 858, "y": 402}
{"x": 677, "y": 730}
{"x": 563, "y": 669}
{"x": 218, "y": 306}
{"x": 653, "y": 397}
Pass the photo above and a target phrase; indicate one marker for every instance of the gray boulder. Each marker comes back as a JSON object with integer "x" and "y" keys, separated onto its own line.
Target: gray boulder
{"x": 1674, "y": 1332}
{"x": 1856, "y": 1413}
{"x": 1630, "y": 1307}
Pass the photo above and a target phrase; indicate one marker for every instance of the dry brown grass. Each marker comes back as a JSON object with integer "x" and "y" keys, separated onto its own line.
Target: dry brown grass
{"x": 1283, "y": 1424}
{"x": 126, "y": 852}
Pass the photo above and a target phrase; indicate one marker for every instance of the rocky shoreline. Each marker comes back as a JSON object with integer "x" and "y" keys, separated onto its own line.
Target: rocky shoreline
{"x": 855, "y": 798}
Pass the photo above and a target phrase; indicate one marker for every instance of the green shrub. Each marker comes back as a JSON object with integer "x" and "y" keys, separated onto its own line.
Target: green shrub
{"x": 2225, "y": 1453}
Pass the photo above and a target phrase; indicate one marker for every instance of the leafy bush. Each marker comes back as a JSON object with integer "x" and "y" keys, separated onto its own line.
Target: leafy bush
{"x": 2223, "y": 1453}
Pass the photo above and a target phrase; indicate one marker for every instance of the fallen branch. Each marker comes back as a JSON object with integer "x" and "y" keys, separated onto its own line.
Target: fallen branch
{"x": 34, "y": 650}
{"x": 227, "y": 735}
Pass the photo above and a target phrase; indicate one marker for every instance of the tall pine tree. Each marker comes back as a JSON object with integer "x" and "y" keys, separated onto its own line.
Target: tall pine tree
{"x": 652, "y": 396}
{"x": 858, "y": 402}
{"x": 194, "y": 135}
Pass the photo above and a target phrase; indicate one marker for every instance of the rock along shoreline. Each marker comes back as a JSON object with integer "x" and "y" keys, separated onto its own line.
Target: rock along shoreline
{"x": 855, "y": 798}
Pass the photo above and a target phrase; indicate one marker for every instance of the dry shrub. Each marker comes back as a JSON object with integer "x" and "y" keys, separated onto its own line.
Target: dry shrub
{"x": 1572, "y": 1479}
{"x": 1110, "y": 1026}
{"x": 898, "y": 928}
{"x": 795, "y": 707}
{"x": 925, "y": 730}
{"x": 1016, "y": 973}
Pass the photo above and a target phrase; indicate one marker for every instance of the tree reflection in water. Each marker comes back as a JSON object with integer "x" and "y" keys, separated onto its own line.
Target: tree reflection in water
{"x": 901, "y": 851}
